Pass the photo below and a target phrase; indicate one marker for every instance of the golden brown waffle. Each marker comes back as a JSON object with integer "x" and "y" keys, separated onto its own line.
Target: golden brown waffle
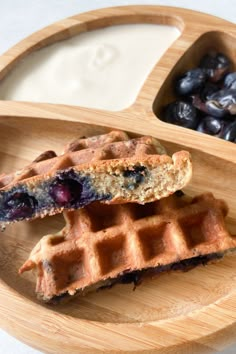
{"x": 109, "y": 168}
{"x": 105, "y": 244}
{"x": 83, "y": 150}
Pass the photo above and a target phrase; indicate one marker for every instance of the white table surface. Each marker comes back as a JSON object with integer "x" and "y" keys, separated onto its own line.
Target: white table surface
{"x": 19, "y": 18}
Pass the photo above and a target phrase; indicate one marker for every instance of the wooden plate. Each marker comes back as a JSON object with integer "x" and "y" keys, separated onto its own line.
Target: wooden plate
{"x": 181, "y": 312}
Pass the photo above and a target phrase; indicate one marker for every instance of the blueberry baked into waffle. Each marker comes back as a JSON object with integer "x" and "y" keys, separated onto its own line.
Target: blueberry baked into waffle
{"x": 102, "y": 245}
{"x": 111, "y": 168}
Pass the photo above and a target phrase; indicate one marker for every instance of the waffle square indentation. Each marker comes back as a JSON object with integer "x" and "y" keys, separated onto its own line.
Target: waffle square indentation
{"x": 142, "y": 211}
{"x": 152, "y": 240}
{"x": 30, "y": 173}
{"x": 196, "y": 229}
{"x": 111, "y": 253}
{"x": 64, "y": 163}
{"x": 102, "y": 216}
{"x": 108, "y": 154}
{"x": 67, "y": 268}
{"x": 54, "y": 241}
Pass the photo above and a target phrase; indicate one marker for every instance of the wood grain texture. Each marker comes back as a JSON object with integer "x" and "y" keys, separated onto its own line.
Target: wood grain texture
{"x": 192, "y": 312}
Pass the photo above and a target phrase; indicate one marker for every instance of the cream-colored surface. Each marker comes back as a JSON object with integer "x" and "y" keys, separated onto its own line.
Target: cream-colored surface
{"x": 103, "y": 69}
{"x": 190, "y": 312}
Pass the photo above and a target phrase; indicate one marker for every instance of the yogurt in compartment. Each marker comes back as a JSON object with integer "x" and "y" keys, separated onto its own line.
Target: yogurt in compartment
{"x": 103, "y": 69}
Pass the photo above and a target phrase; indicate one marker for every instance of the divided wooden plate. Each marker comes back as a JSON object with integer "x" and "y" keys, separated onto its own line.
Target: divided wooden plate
{"x": 181, "y": 312}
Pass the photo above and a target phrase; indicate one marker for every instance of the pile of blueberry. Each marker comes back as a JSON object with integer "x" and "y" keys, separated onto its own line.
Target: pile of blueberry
{"x": 207, "y": 98}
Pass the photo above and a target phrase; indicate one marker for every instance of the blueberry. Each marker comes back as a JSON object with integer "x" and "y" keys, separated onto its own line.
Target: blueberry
{"x": 66, "y": 191}
{"x": 61, "y": 193}
{"x": 179, "y": 193}
{"x": 198, "y": 103}
{"x": 190, "y": 82}
{"x": 181, "y": 113}
{"x": 215, "y": 109}
{"x": 209, "y": 103}
{"x": 47, "y": 265}
{"x": 216, "y": 65}
{"x": 132, "y": 277}
{"x": 225, "y": 97}
{"x": 207, "y": 90}
{"x": 136, "y": 172}
{"x": 135, "y": 176}
{"x": 210, "y": 125}
{"x": 210, "y": 107}
{"x": 20, "y": 205}
{"x": 229, "y": 132}
{"x": 222, "y": 102}
{"x": 230, "y": 81}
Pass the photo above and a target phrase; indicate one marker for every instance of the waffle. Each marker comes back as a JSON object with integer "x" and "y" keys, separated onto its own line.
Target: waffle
{"x": 102, "y": 245}
{"x": 108, "y": 168}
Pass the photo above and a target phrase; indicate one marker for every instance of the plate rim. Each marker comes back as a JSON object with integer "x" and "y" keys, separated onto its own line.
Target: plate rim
{"x": 194, "y": 320}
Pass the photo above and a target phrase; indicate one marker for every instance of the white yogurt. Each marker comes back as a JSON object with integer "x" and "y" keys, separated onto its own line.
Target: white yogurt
{"x": 102, "y": 69}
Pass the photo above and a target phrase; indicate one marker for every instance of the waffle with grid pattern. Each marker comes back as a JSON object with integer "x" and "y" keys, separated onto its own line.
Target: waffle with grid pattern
{"x": 110, "y": 168}
{"x": 102, "y": 245}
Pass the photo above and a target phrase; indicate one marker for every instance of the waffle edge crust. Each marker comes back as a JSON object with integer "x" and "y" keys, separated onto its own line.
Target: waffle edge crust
{"x": 135, "y": 277}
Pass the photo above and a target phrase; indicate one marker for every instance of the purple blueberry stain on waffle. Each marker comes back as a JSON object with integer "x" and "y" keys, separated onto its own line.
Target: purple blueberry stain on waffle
{"x": 135, "y": 176}
{"x": 73, "y": 190}
{"x": 19, "y": 205}
{"x": 47, "y": 266}
{"x": 65, "y": 191}
{"x": 68, "y": 189}
{"x": 137, "y": 276}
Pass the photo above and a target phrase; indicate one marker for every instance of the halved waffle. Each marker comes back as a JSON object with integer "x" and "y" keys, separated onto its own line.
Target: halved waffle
{"x": 109, "y": 168}
{"x": 106, "y": 244}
